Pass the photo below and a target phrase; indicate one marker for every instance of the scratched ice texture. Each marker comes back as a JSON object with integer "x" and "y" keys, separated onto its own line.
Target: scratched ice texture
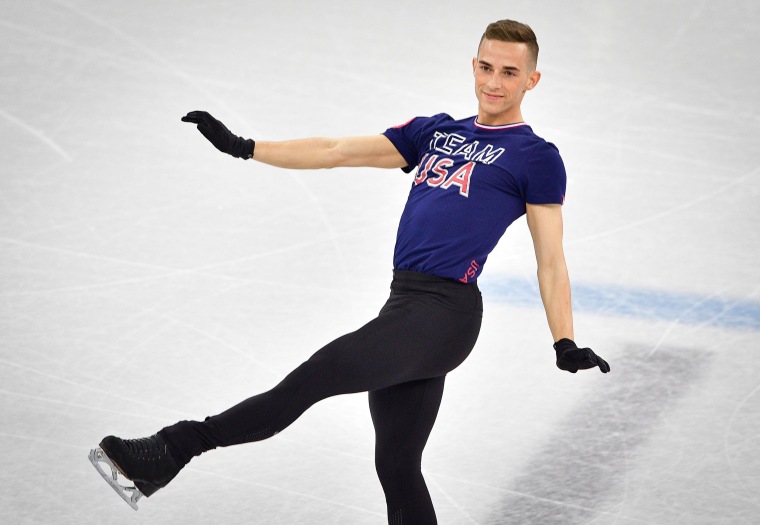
{"x": 146, "y": 278}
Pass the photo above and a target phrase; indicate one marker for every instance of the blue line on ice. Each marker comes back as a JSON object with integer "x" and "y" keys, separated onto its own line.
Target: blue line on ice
{"x": 633, "y": 302}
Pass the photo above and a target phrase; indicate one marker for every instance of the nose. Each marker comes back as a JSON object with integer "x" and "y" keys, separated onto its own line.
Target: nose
{"x": 494, "y": 81}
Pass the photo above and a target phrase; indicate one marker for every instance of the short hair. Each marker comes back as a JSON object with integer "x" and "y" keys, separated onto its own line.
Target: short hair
{"x": 512, "y": 31}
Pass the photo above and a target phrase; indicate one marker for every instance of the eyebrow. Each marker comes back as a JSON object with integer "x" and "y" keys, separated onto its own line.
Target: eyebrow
{"x": 505, "y": 68}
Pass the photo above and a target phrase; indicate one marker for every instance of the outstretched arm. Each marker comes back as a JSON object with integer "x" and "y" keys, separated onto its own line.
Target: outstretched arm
{"x": 373, "y": 151}
{"x": 545, "y": 224}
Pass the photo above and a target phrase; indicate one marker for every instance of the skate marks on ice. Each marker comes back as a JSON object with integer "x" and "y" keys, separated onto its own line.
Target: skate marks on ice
{"x": 585, "y": 465}
{"x": 130, "y": 494}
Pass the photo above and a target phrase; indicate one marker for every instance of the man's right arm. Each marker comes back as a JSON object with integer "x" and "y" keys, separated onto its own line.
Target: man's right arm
{"x": 374, "y": 151}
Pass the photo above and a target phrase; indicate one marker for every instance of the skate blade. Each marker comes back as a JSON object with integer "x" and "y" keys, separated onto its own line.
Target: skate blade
{"x": 129, "y": 494}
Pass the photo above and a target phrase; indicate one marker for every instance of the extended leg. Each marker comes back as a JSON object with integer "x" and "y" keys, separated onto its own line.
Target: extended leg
{"x": 425, "y": 330}
{"x": 403, "y": 416}
{"x": 401, "y": 345}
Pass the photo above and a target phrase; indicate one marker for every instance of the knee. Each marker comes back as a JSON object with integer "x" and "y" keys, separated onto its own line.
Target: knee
{"x": 397, "y": 472}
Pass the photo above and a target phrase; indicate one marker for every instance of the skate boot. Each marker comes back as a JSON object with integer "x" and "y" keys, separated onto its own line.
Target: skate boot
{"x": 146, "y": 462}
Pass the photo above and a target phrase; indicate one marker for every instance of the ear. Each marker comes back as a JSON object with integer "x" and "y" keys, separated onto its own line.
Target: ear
{"x": 533, "y": 79}
{"x": 474, "y": 64}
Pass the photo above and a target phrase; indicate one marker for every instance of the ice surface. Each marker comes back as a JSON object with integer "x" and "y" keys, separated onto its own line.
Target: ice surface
{"x": 146, "y": 278}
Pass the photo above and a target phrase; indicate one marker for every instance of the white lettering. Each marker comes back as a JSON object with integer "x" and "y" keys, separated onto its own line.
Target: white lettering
{"x": 455, "y": 145}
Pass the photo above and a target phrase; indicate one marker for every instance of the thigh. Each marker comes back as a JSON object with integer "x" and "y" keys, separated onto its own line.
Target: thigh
{"x": 399, "y": 346}
{"x": 403, "y": 416}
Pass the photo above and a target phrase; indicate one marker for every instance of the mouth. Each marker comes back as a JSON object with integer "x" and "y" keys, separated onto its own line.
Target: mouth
{"x": 492, "y": 96}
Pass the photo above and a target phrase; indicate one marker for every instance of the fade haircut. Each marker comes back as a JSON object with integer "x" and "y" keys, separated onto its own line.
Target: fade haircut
{"x": 511, "y": 31}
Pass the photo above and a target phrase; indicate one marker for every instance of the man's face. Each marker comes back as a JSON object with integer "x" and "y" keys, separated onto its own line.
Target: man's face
{"x": 503, "y": 73}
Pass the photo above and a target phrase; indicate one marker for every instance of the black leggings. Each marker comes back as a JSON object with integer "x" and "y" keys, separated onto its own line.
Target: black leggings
{"x": 426, "y": 329}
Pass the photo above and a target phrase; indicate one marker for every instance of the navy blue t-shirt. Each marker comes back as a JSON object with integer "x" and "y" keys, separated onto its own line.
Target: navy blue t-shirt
{"x": 472, "y": 182}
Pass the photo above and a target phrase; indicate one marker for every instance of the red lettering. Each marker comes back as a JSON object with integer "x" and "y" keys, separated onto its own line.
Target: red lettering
{"x": 440, "y": 170}
{"x": 471, "y": 272}
{"x": 461, "y": 178}
{"x": 422, "y": 172}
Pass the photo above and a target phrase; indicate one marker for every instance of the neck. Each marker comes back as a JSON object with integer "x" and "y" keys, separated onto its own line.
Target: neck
{"x": 499, "y": 120}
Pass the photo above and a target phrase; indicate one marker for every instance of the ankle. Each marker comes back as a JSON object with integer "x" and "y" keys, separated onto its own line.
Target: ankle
{"x": 185, "y": 440}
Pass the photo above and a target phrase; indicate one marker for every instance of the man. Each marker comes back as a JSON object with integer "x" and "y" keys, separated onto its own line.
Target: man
{"x": 474, "y": 178}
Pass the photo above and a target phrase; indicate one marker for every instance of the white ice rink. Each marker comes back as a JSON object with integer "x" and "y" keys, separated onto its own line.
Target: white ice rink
{"x": 146, "y": 278}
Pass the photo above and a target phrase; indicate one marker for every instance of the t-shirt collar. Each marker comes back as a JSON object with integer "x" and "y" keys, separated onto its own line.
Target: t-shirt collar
{"x": 504, "y": 126}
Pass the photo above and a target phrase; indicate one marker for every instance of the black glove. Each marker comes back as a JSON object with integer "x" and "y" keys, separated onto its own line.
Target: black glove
{"x": 218, "y": 134}
{"x": 572, "y": 358}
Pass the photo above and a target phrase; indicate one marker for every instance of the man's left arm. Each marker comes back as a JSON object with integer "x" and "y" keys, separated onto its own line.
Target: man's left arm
{"x": 545, "y": 224}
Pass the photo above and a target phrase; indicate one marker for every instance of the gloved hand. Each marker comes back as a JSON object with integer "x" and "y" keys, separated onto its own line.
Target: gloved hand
{"x": 218, "y": 134}
{"x": 572, "y": 358}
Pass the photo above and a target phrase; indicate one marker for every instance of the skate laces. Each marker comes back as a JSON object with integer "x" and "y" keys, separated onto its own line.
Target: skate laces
{"x": 149, "y": 448}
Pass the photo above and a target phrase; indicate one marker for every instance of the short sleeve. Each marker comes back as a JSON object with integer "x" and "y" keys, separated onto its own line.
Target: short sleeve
{"x": 410, "y": 138}
{"x": 546, "y": 179}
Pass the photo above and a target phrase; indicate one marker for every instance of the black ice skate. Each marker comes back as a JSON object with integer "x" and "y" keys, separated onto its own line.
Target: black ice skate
{"x": 145, "y": 462}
